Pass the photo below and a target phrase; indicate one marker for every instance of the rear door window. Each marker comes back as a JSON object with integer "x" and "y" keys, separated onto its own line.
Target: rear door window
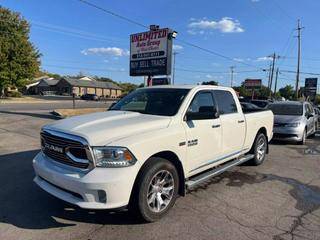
{"x": 225, "y": 102}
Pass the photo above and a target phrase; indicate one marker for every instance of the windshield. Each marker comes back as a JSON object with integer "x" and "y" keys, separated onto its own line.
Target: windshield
{"x": 154, "y": 101}
{"x": 286, "y": 109}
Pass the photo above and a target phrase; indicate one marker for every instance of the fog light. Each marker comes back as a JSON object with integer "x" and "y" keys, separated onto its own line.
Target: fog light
{"x": 102, "y": 196}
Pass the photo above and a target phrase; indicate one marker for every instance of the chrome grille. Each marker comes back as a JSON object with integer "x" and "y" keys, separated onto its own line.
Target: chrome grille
{"x": 58, "y": 147}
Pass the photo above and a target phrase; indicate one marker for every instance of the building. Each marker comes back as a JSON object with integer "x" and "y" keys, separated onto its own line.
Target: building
{"x": 46, "y": 86}
{"x": 69, "y": 85}
{"x": 84, "y": 85}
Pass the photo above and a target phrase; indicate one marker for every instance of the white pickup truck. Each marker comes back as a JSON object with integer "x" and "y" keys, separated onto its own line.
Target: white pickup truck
{"x": 150, "y": 147}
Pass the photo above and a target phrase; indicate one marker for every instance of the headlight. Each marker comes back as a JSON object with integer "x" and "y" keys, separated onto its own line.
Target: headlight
{"x": 110, "y": 157}
{"x": 295, "y": 124}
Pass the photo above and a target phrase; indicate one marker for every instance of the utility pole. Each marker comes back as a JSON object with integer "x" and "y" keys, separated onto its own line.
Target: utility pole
{"x": 274, "y": 57}
{"x": 231, "y": 75}
{"x": 275, "y": 83}
{"x": 299, "y": 56}
{"x": 174, "y": 66}
{"x": 269, "y": 77}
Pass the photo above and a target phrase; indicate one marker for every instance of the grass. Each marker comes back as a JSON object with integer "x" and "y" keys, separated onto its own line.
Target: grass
{"x": 64, "y": 113}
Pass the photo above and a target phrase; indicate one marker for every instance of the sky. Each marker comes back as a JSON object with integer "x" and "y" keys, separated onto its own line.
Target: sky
{"x": 74, "y": 37}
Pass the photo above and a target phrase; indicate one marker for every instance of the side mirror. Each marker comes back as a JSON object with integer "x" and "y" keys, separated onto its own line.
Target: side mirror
{"x": 112, "y": 104}
{"x": 203, "y": 114}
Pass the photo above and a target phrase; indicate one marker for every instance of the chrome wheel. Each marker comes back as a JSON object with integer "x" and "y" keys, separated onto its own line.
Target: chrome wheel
{"x": 261, "y": 149}
{"x": 160, "y": 191}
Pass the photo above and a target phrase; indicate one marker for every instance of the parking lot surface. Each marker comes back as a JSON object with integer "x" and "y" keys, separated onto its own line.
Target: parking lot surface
{"x": 277, "y": 200}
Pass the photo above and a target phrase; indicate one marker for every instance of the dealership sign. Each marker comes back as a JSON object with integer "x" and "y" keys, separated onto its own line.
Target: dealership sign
{"x": 253, "y": 83}
{"x": 150, "y": 53}
{"x": 310, "y": 89}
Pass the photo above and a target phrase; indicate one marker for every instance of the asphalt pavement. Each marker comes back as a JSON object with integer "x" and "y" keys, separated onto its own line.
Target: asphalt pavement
{"x": 277, "y": 200}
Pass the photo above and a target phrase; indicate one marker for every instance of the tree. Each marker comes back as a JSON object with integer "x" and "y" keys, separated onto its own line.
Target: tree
{"x": 19, "y": 59}
{"x": 210, "y": 83}
{"x": 317, "y": 100}
{"x": 263, "y": 92}
{"x": 287, "y": 92}
{"x": 243, "y": 92}
{"x": 128, "y": 87}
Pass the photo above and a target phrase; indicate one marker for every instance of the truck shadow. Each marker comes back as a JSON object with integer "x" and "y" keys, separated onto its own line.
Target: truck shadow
{"x": 24, "y": 205}
{"x": 36, "y": 115}
{"x": 307, "y": 198}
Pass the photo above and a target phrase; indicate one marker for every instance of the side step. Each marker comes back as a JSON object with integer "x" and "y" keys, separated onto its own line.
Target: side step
{"x": 194, "y": 181}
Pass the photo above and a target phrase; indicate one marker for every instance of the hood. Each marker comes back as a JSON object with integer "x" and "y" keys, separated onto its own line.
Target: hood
{"x": 103, "y": 128}
{"x": 287, "y": 118}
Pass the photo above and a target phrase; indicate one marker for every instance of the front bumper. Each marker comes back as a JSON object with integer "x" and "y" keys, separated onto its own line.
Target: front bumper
{"x": 288, "y": 133}
{"x": 100, "y": 188}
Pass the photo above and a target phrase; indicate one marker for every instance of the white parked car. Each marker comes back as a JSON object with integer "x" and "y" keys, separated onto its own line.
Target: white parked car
{"x": 152, "y": 146}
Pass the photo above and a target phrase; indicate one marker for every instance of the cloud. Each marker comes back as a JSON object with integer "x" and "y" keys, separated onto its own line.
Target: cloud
{"x": 209, "y": 76}
{"x": 177, "y": 47}
{"x": 225, "y": 25}
{"x": 260, "y": 59}
{"x": 111, "y": 51}
{"x": 238, "y": 59}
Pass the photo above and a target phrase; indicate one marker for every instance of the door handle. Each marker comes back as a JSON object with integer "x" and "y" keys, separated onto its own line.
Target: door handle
{"x": 241, "y": 121}
{"x": 216, "y": 126}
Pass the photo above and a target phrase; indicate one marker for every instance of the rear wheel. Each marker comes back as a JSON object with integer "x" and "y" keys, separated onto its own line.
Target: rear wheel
{"x": 259, "y": 149}
{"x": 157, "y": 189}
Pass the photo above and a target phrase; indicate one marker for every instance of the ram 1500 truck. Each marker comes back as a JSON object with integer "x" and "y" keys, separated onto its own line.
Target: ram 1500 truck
{"x": 150, "y": 147}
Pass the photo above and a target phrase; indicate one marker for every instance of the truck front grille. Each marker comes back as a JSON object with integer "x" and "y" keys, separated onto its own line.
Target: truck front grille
{"x": 65, "y": 149}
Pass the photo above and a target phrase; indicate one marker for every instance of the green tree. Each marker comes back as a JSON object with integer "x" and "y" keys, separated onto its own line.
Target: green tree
{"x": 243, "y": 92}
{"x": 317, "y": 100}
{"x": 263, "y": 92}
{"x": 19, "y": 59}
{"x": 210, "y": 83}
{"x": 128, "y": 87}
{"x": 287, "y": 92}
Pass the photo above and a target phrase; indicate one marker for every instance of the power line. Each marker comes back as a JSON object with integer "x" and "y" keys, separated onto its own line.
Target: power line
{"x": 213, "y": 72}
{"x": 85, "y": 68}
{"x": 285, "y": 13}
{"x": 144, "y": 26}
{"x": 218, "y": 54}
{"x": 113, "y": 14}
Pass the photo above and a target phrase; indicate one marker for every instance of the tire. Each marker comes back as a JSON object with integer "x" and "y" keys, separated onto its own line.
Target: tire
{"x": 157, "y": 175}
{"x": 313, "y": 134}
{"x": 259, "y": 149}
{"x": 304, "y": 137}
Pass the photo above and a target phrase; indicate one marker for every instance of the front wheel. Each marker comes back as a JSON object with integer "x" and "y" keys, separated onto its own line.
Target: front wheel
{"x": 304, "y": 137}
{"x": 157, "y": 189}
{"x": 259, "y": 149}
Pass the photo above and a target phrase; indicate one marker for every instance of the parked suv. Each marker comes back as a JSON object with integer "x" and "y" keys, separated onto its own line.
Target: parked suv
{"x": 88, "y": 96}
{"x": 293, "y": 121}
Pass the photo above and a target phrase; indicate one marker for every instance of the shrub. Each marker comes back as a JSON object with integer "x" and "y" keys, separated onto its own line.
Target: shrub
{"x": 14, "y": 94}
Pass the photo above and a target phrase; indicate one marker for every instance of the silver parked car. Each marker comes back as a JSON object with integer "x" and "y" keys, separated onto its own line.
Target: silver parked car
{"x": 293, "y": 121}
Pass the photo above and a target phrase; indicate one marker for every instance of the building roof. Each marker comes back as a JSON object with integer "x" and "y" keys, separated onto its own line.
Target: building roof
{"x": 95, "y": 84}
{"x": 48, "y": 82}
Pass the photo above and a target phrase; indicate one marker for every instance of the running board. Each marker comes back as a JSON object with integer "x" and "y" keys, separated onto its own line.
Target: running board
{"x": 194, "y": 181}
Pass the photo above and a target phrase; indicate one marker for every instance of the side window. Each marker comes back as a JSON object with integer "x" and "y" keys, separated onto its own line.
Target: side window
{"x": 202, "y": 102}
{"x": 308, "y": 109}
{"x": 225, "y": 102}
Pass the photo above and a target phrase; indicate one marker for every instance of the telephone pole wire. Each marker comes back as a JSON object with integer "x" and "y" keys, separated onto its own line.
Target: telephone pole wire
{"x": 299, "y": 58}
{"x": 231, "y": 75}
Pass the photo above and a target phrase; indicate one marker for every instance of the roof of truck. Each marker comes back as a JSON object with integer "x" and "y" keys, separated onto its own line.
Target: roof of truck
{"x": 188, "y": 86}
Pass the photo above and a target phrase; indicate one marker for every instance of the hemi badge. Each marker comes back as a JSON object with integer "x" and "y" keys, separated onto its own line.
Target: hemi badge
{"x": 182, "y": 144}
